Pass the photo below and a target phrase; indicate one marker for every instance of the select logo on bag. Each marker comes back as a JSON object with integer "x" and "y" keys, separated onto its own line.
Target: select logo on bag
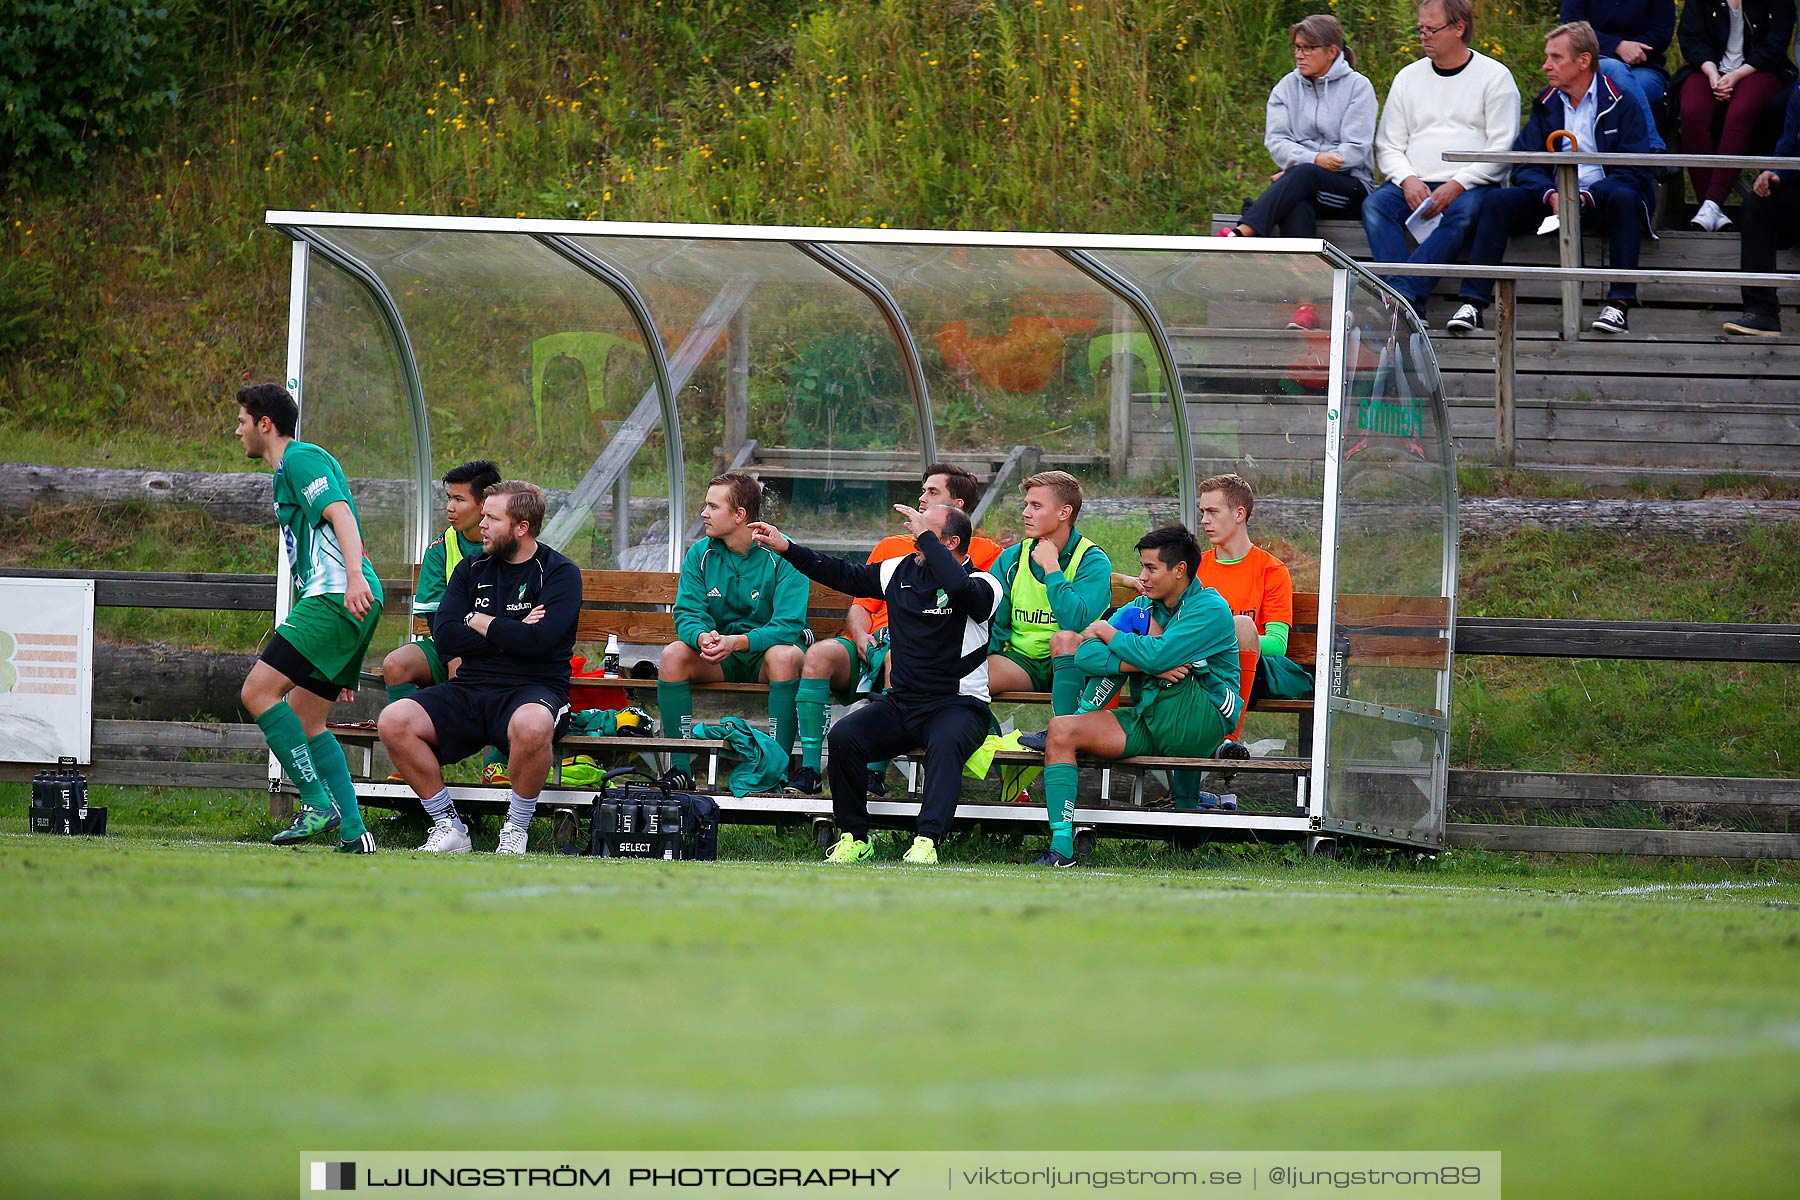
{"x": 333, "y": 1177}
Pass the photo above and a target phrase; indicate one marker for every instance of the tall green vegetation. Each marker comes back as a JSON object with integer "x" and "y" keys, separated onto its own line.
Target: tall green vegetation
{"x": 1129, "y": 115}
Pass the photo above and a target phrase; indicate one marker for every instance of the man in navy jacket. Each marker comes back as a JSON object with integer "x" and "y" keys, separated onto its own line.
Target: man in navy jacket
{"x": 1590, "y": 106}
{"x": 1770, "y": 219}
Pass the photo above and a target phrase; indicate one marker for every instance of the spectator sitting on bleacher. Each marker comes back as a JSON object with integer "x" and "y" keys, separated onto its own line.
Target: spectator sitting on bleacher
{"x": 510, "y": 615}
{"x": 939, "y": 606}
{"x": 1320, "y": 130}
{"x": 1452, "y": 99}
{"x": 1592, "y": 108}
{"x": 1634, "y": 38}
{"x": 838, "y": 665}
{"x": 1737, "y": 55}
{"x": 1771, "y": 218}
{"x": 415, "y": 663}
{"x": 1055, "y": 579}
{"x": 1187, "y": 699}
{"x": 740, "y": 617}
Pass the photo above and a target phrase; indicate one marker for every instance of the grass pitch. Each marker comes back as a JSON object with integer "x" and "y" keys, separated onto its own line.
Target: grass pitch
{"x": 185, "y": 1011}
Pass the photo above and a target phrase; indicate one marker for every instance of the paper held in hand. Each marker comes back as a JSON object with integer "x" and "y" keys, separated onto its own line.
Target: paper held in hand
{"x": 1421, "y": 226}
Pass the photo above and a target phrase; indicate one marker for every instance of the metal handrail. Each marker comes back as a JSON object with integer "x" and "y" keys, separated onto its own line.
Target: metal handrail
{"x": 1567, "y": 164}
{"x": 1601, "y": 158}
{"x": 1587, "y": 274}
{"x": 1506, "y": 306}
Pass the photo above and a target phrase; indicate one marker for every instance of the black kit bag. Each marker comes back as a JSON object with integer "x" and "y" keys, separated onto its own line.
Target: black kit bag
{"x": 636, "y": 817}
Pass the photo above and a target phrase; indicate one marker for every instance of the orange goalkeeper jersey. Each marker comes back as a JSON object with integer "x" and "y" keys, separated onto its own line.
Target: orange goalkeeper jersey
{"x": 1256, "y": 586}
{"x": 982, "y": 553}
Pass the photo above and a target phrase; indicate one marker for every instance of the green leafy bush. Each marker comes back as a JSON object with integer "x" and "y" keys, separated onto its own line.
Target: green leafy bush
{"x": 79, "y": 75}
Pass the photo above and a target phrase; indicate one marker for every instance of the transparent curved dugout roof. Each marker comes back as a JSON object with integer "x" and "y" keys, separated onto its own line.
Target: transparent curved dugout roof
{"x": 624, "y": 365}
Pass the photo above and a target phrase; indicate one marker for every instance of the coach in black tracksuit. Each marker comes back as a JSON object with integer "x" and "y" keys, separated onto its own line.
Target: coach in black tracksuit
{"x": 939, "y": 610}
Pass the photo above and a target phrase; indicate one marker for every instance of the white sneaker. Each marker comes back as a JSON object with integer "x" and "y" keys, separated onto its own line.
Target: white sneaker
{"x": 1710, "y": 217}
{"x": 512, "y": 839}
{"x": 446, "y": 838}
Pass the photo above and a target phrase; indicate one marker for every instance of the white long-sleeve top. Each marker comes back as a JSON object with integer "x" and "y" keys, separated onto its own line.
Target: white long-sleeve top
{"x": 1428, "y": 113}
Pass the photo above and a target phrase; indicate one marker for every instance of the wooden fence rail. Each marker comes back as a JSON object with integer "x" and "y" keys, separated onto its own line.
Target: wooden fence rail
{"x": 141, "y": 752}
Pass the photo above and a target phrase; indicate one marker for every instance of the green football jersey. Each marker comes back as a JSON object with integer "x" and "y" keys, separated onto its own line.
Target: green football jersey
{"x": 307, "y": 482}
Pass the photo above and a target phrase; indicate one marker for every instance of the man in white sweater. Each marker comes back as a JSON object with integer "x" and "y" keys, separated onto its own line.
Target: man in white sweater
{"x": 1452, "y": 99}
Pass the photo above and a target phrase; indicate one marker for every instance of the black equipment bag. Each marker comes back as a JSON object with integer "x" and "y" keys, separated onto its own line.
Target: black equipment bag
{"x": 640, "y": 818}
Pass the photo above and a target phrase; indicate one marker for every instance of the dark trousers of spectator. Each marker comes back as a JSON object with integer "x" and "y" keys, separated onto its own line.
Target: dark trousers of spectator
{"x": 1711, "y": 127}
{"x": 949, "y": 729}
{"x": 1618, "y": 207}
{"x": 1384, "y": 220}
{"x": 1291, "y": 205}
{"x": 1767, "y": 225}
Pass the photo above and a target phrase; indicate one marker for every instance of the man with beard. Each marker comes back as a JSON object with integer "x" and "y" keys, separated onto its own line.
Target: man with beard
{"x": 509, "y": 614}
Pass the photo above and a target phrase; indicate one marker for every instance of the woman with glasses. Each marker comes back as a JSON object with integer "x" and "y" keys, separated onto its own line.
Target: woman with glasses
{"x": 1320, "y": 131}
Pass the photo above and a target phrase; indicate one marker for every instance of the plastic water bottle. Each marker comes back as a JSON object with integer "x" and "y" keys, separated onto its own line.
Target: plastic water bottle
{"x": 609, "y": 662}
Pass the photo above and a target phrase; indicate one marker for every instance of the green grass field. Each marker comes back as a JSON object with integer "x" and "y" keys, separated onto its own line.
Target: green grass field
{"x": 186, "y": 1008}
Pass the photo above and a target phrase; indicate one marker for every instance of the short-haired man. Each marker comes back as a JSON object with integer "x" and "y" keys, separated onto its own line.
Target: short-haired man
{"x": 1770, "y": 219}
{"x": 939, "y": 607}
{"x": 1187, "y": 696}
{"x": 740, "y": 617}
{"x": 835, "y": 666}
{"x": 1053, "y": 580}
{"x": 1592, "y": 107}
{"x": 316, "y": 654}
{"x": 1257, "y": 587}
{"x": 415, "y": 663}
{"x": 1452, "y": 99}
{"x": 510, "y": 615}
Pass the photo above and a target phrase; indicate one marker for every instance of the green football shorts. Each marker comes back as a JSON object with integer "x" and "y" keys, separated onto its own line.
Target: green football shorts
{"x": 1036, "y": 669}
{"x": 328, "y": 637}
{"x": 1184, "y": 725}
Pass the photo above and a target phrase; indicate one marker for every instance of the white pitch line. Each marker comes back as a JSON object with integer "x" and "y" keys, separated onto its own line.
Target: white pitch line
{"x": 963, "y": 1098}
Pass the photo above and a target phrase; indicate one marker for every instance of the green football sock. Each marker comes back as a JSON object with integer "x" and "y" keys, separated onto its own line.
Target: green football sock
{"x": 1097, "y": 692}
{"x": 1184, "y": 786}
{"x": 784, "y": 720}
{"x": 675, "y": 701}
{"x": 334, "y": 772}
{"x": 400, "y": 691}
{"x": 1060, "y": 783}
{"x": 811, "y": 703}
{"x": 1065, "y": 685}
{"x": 287, "y": 738}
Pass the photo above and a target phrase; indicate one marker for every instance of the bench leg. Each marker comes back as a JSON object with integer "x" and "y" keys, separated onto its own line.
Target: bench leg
{"x": 281, "y": 805}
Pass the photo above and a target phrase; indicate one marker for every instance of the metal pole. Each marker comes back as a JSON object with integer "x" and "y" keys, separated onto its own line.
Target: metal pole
{"x": 1318, "y": 807}
{"x": 1568, "y": 244}
{"x": 852, "y": 274}
{"x": 395, "y": 325}
{"x": 621, "y": 285}
{"x": 1124, "y": 289}
{"x": 1506, "y": 353}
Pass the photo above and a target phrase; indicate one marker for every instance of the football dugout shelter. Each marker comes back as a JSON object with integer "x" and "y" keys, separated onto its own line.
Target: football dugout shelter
{"x": 623, "y": 365}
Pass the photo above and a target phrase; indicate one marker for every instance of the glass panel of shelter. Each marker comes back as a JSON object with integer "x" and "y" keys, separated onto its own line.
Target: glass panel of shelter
{"x": 1015, "y": 348}
{"x": 1256, "y": 395}
{"x": 1388, "y": 740}
{"x": 353, "y": 402}
{"x": 529, "y": 360}
{"x": 783, "y": 368}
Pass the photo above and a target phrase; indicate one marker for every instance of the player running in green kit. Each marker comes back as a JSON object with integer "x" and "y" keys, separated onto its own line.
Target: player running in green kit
{"x": 317, "y": 653}
{"x": 1187, "y": 685}
{"x": 740, "y": 617}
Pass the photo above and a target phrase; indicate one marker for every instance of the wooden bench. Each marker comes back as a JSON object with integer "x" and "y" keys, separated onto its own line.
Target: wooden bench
{"x": 1393, "y": 631}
